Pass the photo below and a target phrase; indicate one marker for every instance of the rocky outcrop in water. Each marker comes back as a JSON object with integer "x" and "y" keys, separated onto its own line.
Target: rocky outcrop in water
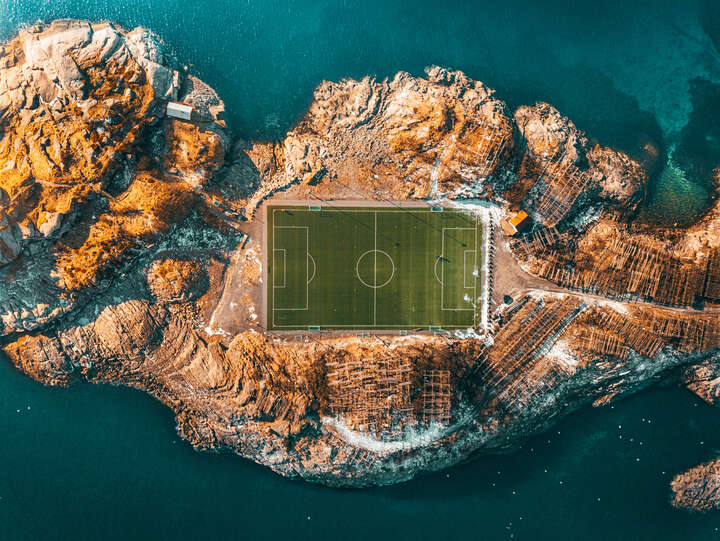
{"x": 698, "y": 488}
{"x": 130, "y": 253}
{"x": 704, "y": 380}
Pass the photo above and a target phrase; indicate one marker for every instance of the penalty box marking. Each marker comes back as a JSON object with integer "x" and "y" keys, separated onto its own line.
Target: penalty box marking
{"x": 307, "y": 267}
{"x": 442, "y": 270}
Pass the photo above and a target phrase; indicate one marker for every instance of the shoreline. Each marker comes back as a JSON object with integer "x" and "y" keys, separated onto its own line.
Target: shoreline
{"x": 153, "y": 240}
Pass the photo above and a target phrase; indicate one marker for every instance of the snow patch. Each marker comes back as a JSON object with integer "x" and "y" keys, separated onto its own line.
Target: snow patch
{"x": 468, "y": 333}
{"x": 561, "y": 353}
{"x": 412, "y": 439}
{"x": 586, "y": 218}
{"x": 613, "y": 305}
{"x": 218, "y": 331}
{"x": 214, "y": 331}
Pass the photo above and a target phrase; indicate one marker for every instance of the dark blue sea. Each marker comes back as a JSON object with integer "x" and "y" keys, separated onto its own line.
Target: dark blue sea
{"x": 94, "y": 462}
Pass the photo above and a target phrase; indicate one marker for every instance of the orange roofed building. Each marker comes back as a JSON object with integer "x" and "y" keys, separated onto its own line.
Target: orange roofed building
{"x": 517, "y": 223}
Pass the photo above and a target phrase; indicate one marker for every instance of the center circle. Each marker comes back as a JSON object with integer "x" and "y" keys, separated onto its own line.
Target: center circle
{"x": 375, "y": 268}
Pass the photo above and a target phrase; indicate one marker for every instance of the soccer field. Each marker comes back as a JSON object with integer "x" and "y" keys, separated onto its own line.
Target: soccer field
{"x": 373, "y": 268}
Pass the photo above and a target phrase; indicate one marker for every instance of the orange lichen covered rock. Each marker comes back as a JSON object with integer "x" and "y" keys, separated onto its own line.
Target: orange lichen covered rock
{"x": 558, "y": 167}
{"x": 148, "y": 208}
{"x": 122, "y": 334}
{"x": 86, "y": 162}
{"x": 73, "y": 97}
{"x": 548, "y": 133}
{"x": 409, "y": 137}
{"x": 704, "y": 380}
{"x": 176, "y": 280}
{"x": 41, "y": 358}
{"x": 698, "y": 488}
{"x": 10, "y": 234}
{"x": 194, "y": 151}
{"x": 423, "y": 120}
{"x": 622, "y": 179}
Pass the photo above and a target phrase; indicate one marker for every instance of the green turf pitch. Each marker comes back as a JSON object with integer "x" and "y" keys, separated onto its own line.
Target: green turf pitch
{"x": 372, "y": 268}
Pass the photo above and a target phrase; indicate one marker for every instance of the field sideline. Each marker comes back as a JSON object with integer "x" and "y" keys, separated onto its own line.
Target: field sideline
{"x": 379, "y": 268}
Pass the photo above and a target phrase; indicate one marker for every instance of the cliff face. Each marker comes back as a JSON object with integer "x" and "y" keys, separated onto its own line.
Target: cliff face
{"x": 130, "y": 254}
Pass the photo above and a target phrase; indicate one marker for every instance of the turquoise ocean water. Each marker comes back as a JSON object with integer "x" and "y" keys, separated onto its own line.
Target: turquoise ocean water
{"x": 104, "y": 463}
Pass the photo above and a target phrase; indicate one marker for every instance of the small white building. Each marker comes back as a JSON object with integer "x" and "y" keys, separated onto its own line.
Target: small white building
{"x": 179, "y": 110}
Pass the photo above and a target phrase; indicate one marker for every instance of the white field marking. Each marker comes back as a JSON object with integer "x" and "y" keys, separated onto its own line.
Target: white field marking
{"x": 375, "y": 277}
{"x": 280, "y": 250}
{"x": 487, "y": 215}
{"x": 475, "y": 297}
{"x": 442, "y": 271}
{"x": 360, "y": 327}
{"x": 307, "y": 264}
{"x": 272, "y": 307}
{"x": 486, "y": 272}
{"x": 307, "y": 270}
{"x": 381, "y": 210}
{"x": 314, "y": 268}
{"x": 437, "y": 260}
{"x": 386, "y": 282}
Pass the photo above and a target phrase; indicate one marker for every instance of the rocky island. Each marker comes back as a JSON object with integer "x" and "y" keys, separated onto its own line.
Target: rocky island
{"x": 133, "y": 252}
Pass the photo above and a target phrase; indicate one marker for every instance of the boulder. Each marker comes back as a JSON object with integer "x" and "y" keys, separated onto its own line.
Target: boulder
{"x": 550, "y": 135}
{"x": 704, "y": 380}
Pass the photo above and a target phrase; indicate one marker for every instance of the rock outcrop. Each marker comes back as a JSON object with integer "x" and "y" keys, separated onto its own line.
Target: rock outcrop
{"x": 406, "y": 137}
{"x": 74, "y": 96}
{"x": 10, "y": 234}
{"x": 130, "y": 253}
{"x": 91, "y": 173}
{"x": 698, "y": 489}
{"x": 559, "y": 168}
{"x": 549, "y": 134}
{"x": 621, "y": 180}
{"x": 704, "y": 380}
{"x": 176, "y": 280}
